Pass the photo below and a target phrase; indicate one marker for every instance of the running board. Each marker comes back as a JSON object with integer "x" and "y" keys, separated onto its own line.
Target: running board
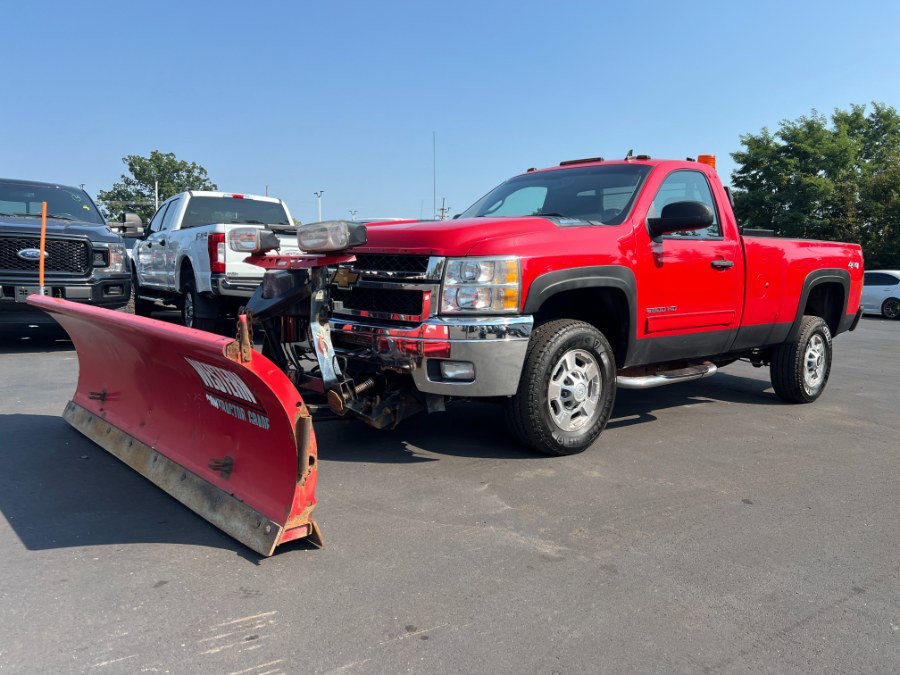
{"x": 665, "y": 377}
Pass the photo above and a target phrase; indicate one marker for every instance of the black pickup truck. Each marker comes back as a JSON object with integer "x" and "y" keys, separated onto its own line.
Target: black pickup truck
{"x": 84, "y": 260}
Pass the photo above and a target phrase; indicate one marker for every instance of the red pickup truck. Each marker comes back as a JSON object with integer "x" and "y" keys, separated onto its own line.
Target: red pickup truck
{"x": 561, "y": 285}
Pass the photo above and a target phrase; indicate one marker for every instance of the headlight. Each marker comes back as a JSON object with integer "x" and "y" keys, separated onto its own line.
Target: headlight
{"x": 481, "y": 285}
{"x": 112, "y": 259}
{"x": 330, "y": 235}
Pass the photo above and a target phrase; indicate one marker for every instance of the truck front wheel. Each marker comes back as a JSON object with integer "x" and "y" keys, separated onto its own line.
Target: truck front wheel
{"x": 567, "y": 388}
{"x": 138, "y": 305}
{"x": 800, "y": 369}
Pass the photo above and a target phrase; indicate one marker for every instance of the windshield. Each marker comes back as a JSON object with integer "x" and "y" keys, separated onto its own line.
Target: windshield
{"x": 593, "y": 193}
{"x": 205, "y": 210}
{"x": 64, "y": 203}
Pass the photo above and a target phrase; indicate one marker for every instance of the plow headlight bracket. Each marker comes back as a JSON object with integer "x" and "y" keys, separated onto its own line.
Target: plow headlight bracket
{"x": 330, "y": 235}
{"x": 252, "y": 240}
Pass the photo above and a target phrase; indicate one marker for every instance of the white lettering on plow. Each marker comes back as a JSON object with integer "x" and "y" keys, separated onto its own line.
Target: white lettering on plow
{"x": 222, "y": 381}
{"x": 238, "y": 412}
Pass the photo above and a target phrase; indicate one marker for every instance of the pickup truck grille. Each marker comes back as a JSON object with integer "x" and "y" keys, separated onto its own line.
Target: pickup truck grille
{"x": 390, "y": 287}
{"x": 379, "y": 300}
{"x": 395, "y": 266}
{"x": 64, "y": 256}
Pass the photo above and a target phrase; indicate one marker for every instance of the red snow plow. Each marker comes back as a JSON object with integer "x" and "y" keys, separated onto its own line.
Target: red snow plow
{"x": 210, "y": 420}
{"x": 207, "y": 419}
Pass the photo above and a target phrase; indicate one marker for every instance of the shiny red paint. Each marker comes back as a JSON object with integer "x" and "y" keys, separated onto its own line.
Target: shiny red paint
{"x": 679, "y": 290}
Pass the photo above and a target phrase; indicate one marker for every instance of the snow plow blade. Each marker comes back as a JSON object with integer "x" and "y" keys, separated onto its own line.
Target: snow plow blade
{"x": 207, "y": 419}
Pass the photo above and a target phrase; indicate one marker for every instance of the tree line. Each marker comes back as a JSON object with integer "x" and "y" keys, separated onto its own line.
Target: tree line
{"x": 834, "y": 178}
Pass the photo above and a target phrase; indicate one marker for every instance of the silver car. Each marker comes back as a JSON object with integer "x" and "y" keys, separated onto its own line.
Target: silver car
{"x": 881, "y": 293}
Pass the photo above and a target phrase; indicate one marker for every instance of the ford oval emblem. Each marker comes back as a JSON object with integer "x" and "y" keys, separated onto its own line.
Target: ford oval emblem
{"x": 30, "y": 254}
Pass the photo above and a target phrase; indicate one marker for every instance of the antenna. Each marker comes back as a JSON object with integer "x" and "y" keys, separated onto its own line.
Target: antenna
{"x": 433, "y": 173}
{"x": 629, "y": 155}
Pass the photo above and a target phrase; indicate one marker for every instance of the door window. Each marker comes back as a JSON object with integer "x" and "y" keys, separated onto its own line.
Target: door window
{"x": 169, "y": 218}
{"x": 156, "y": 221}
{"x": 687, "y": 186}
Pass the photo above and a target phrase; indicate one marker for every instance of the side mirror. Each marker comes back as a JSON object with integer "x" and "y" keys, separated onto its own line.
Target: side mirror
{"x": 133, "y": 226}
{"x": 680, "y": 216}
{"x": 128, "y": 225}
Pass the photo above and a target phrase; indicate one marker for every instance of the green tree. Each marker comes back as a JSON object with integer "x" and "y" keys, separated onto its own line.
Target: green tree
{"x": 836, "y": 179}
{"x": 137, "y": 191}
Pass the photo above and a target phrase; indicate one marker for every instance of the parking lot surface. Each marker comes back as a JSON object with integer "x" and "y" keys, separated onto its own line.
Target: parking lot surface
{"x": 712, "y": 528}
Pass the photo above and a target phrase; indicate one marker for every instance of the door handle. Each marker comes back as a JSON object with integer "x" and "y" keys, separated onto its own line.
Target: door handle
{"x": 722, "y": 264}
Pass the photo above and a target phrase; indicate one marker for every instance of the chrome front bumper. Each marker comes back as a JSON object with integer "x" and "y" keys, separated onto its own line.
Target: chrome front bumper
{"x": 496, "y": 347}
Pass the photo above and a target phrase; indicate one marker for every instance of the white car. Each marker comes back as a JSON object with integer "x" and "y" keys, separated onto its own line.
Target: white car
{"x": 881, "y": 293}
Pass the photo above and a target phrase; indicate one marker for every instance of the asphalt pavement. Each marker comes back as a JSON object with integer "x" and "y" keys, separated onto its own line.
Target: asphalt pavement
{"x": 712, "y": 528}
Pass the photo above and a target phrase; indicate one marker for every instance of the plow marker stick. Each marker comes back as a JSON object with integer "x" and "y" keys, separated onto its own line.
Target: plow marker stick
{"x": 231, "y": 440}
{"x": 42, "y": 247}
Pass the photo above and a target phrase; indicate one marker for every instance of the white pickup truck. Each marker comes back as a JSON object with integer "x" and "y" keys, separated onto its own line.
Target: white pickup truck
{"x": 193, "y": 253}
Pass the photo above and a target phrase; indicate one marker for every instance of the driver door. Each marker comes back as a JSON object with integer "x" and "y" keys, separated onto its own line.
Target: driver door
{"x": 690, "y": 287}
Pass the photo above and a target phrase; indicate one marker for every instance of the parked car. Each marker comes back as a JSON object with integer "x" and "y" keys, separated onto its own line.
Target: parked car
{"x": 881, "y": 293}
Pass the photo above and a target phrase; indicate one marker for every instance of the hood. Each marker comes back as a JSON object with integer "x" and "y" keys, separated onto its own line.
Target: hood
{"x": 13, "y": 225}
{"x": 455, "y": 237}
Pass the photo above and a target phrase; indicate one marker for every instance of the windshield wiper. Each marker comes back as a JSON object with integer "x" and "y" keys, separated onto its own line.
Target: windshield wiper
{"x": 56, "y": 216}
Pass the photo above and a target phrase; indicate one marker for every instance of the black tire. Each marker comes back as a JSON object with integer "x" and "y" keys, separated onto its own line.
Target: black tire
{"x": 189, "y": 303}
{"x": 138, "y": 305}
{"x": 890, "y": 308}
{"x": 566, "y": 391}
{"x": 800, "y": 369}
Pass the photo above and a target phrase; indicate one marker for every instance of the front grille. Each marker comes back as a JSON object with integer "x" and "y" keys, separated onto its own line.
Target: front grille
{"x": 379, "y": 300}
{"x": 398, "y": 266}
{"x": 64, "y": 256}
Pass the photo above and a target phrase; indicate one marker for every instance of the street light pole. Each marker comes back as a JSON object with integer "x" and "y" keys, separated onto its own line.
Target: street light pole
{"x": 319, "y": 202}
{"x": 353, "y": 214}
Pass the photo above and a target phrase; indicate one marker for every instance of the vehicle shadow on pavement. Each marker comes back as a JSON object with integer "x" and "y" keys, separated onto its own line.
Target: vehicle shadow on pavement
{"x": 60, "y": 490}
{"x": 634, "y": 406}
{"x": 477, "y": 429}
{"x": 464, "y": 430}
{"x": 45, "y": 340}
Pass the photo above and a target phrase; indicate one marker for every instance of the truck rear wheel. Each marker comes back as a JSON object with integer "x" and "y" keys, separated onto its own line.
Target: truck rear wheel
{"x": 566, "y": 391}
{"x": 190, "y": 302}
{"x": 800, "y": 369}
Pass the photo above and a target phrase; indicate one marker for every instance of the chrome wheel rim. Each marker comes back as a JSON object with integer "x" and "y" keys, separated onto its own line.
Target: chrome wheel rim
{"x": 814, "y": 362}
{"x": 573, "y": 392}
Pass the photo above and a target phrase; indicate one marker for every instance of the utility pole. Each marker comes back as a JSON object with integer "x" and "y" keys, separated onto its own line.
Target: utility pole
{"x": 319, "y": 202}
{"x": 444, "y": 208}
{"x": 353, "y": 214}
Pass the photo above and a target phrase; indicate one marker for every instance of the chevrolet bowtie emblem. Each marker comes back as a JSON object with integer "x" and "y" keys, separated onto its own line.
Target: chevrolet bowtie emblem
{"x": 344, "y": 278}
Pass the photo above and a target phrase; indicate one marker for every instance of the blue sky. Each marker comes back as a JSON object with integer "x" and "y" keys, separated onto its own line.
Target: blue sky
{"x": 346, "y": 97}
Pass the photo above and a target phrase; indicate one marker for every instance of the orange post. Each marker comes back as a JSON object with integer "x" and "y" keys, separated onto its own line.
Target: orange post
{"x": 43, "y": 243}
